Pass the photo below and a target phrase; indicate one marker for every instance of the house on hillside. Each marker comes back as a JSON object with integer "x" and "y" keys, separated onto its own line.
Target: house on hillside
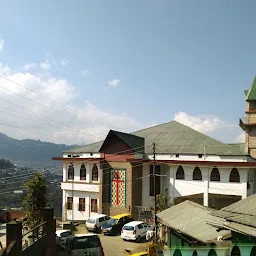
{"x": 191, "y": 229}
{"x": 116, "y": 175}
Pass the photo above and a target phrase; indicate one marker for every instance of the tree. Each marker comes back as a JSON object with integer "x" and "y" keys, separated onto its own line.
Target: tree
{"x": 35, "y": 199}
{"x": 163, "y": 200}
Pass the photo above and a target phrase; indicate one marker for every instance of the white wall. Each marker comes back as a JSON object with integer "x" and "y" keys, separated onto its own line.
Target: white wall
{"x": 77, "y": 215}
{"x": 77, "y": 166}
{"x": 164, "y": 183}
{"x": 189, "y": 186}
{"x": 203, "y": 158}
{"x": 81, "y": 155}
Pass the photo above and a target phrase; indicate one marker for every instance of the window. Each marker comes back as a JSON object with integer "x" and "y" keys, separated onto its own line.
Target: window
{"x": 71, "y": 172}
{"x": 234, "y": 176}
{"x": 69, "y": 203}
{"x": 180, "y": 175}
{"x": 81, "y": 206}
{"x": 215, "y": 175}
{"x": 197, "y": 175}
{"x": 82, "y": 172}
{"x": 157, "y": 181}
{"x": 95, "y": 173}
{"x": 140, "y": 226}
{"x": 94, "y": 205}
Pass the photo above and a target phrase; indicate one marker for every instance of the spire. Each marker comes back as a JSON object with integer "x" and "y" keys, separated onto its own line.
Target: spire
{"x": 251, "y": 94}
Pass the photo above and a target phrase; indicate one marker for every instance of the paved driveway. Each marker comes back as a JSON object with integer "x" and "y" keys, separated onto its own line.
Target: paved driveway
{"x": 114, "y": 245}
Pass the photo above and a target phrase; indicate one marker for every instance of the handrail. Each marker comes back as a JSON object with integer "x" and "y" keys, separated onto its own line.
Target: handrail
{"x": 41, "y": 224}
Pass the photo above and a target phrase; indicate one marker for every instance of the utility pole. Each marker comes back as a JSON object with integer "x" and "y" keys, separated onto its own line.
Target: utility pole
{"x": 154, "y": 175}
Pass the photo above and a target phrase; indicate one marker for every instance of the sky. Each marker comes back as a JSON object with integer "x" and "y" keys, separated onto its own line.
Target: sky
{"x": 72, "y": 70}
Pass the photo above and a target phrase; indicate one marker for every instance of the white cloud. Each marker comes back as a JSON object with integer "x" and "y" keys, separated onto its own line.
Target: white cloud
{"x": 30, "y": 66}
{"x": 212, "y": 126}
{"x": 45, "y": 65}
{"x": 1, "y": 45}
{"x": 113, "y": 83}
{"x": 240, "y": 138}
{"x": 89, "y": 123}
{"x": 64, "y": 62}
{"x": 85, "y": 72}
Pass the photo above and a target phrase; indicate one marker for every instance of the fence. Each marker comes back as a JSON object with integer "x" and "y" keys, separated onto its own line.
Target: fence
{"x": 42, "y": 241}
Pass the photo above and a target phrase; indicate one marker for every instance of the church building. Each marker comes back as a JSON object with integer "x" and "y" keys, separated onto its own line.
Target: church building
{"x": 116, "y": 175}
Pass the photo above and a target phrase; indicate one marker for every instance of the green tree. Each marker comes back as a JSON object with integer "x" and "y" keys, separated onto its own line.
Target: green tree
{"x": 35, "y": 199}
{"x": 163, "y": 200}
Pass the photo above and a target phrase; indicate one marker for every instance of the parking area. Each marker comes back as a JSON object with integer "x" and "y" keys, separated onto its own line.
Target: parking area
{"x": 114, "y": 245}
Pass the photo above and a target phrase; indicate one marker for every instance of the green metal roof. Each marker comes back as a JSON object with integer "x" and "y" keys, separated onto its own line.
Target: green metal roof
{"x": 251, "y": 95}
{"x": 175, "y": 138}
{"x": 238, "y": 146}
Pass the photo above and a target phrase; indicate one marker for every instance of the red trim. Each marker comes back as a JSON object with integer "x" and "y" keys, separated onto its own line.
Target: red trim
{"x": 194, "y": 162}
{"x": 117, "y": 181}
{"x": 75, "y": 159}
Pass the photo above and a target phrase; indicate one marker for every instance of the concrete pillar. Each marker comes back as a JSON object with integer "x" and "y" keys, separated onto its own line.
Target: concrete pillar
{"x": 206, "y": 189}
{"x": 14, "y": 234}
{"x": 49, "y": 229}
{"x": 172, "y": 184}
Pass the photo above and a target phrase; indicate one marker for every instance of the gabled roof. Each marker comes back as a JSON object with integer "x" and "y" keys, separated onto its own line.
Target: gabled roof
{"x": 175, "y": 138}
{"x": 240, "y": 216}
{"x": 132, "y": 141}
{"x": 251, "y": 94}
{"x": 190, "y": 218}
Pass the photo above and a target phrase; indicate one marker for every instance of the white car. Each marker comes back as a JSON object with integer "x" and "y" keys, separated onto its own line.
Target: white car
{"x": 135, "y": 230}
{"x": 95, "y": 222}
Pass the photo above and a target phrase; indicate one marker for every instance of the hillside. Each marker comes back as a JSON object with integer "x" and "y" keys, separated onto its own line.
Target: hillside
{"x": 30, "y": 153}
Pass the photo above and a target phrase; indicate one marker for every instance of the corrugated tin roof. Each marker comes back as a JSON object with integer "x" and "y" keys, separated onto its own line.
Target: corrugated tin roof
{"x": 190, "y": 218}
{"x": 175, "y": 138}
{"x": 239, "y": 228}
{"x": 238, "y": 146}
{"x": 245, "y": 206}
{"x": 251, "y": 95}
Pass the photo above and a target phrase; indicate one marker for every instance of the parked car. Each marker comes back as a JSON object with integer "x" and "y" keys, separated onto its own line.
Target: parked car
{"x": 84, "y": 244}
{"x": 61, "y": 236}
{"x": 115, "y": 224}
{"x": 135, "y": 230}
{"x": 95, "y": 222}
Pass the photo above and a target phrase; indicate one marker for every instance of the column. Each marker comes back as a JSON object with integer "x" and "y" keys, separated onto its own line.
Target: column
{"x": 172, "y": 184}
{"x": 206, "y": 189}
{"x": 49, "y": 229}
{"x": 14, "y": 234}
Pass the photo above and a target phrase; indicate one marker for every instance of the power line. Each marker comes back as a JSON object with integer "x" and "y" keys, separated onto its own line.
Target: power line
{"x": 54, "y": 101}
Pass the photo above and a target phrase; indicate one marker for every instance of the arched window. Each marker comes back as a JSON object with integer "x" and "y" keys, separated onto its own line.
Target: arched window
{"x": 195, "y": 253}
{"x": 95, "y": 173}
{"x": 197, "y": 175}
{"x": 212, "y": 253}
{"x": 82, "y": 172}
{"x": 253, "y": 251}
{"x": 215, "y": 175}
{"x": 180, "y": 175}
{"x": 177, "y": 252}
{"x": 234, "y": 176}
{"x": 235, "y": 251}
{"x": 71, "y": 172}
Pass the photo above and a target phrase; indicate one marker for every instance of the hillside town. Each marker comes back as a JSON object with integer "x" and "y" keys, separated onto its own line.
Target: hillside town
{"x": 127, "y": 128}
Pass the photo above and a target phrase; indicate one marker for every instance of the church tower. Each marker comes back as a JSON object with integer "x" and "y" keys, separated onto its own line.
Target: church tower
{"x": 249, "y": 124}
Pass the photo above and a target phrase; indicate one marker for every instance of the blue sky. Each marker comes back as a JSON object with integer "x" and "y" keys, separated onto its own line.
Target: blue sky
{"x": 165, "y": 57}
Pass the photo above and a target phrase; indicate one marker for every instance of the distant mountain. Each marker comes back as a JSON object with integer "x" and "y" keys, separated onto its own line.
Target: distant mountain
{"x": 30, "y": 153}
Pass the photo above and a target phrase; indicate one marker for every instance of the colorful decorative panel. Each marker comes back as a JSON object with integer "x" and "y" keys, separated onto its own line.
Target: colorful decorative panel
{"x": 118, "y": 188}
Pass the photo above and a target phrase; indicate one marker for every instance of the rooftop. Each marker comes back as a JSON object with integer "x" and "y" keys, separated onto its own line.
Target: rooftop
{"x": 190, "y": 218}
{"x": 173, "y": 138}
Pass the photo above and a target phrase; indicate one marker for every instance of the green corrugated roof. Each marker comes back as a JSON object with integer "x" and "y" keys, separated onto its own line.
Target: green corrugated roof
{"x": 238, "y": 146}
{"x": 251, "y": 95}
{"x": 175, "y": 138}
{"x": 246, "y": 92}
